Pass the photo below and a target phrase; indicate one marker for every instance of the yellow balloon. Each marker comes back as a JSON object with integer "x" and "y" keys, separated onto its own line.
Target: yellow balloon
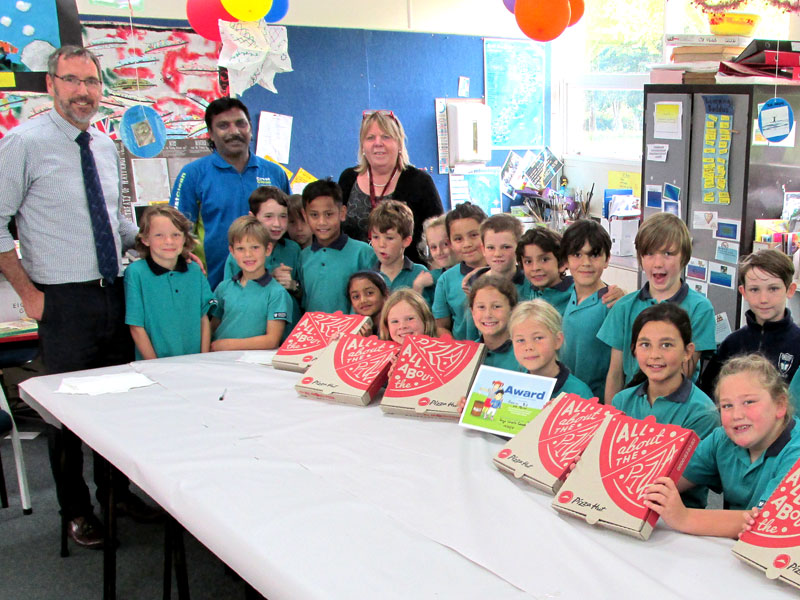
{"x": 247, "y": 10}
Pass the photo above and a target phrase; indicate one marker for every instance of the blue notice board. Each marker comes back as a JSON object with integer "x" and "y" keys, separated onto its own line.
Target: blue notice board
{"x": 339, "y": 73}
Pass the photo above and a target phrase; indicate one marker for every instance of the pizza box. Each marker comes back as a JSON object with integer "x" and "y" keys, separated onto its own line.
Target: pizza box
{"x": 351, "y": 370}
{"x": 311, "y": 336}
{"x": 542, "y": 452}
{"x": 430, "y": 376}
{"x": 624, "y": 456}
{"x": 504, "y": 402}
{"x": 773, "y": 544}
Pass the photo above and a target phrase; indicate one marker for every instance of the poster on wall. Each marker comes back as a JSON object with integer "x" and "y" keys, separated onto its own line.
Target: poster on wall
{"x": 716, "y": 149}
{"x": 29, "y": 32}
{"x": 172, "y": 71}
{"x": 515, "y": 91}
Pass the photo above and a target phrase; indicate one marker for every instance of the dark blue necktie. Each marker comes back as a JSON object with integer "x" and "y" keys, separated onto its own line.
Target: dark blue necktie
{"x": 107, "y": 259}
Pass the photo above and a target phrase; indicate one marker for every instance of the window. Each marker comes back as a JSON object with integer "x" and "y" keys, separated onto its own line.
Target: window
{"x": 601, "y": 63}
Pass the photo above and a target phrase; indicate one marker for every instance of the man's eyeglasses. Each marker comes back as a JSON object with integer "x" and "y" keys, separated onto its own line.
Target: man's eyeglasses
{"x": 91, "y": 83}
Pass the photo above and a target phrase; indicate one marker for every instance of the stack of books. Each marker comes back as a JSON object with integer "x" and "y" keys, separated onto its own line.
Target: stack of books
{"x": 763, "y": 61}
{"x": 696, "y": 58}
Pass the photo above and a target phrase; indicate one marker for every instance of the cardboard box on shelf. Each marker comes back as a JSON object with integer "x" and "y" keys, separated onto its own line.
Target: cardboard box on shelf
{"x": 542, "y": 452}
{"x": 430, "y": 376}
{"x": 351, "y": 370}
{"x": 773, "y": 544}
{"x": 623, "y": 458}
{"x": 311, "y": 336}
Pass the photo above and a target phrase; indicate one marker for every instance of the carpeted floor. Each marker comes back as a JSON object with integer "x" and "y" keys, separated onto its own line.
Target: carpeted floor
{"x": 32, "y": 569}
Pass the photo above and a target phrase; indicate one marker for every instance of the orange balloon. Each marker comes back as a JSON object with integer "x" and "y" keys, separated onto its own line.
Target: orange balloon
{"x": 576, "y": 11}
{"x": 542, "y": 20}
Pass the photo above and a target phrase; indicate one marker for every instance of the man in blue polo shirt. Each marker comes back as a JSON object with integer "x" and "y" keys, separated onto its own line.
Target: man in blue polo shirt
{"x": 213, "y": 191}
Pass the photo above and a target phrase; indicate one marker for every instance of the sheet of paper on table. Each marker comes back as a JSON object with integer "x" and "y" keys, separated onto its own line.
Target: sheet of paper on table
{"x": 103, "y": 384}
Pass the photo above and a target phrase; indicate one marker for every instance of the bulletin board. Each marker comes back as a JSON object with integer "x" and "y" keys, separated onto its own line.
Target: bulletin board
{"x": 339, "y": 73}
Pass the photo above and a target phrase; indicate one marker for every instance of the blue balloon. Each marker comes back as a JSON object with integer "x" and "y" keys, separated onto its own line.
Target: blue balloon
{"x": 278, "y": 11}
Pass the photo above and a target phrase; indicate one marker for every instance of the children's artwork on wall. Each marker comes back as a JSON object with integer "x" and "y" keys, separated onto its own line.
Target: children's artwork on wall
{"x": 253, "y": 53}
{"x": 172, "y": 71}
{"x": 716, "y": 149}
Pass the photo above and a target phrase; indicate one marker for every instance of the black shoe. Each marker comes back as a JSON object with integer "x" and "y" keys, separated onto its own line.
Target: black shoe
{"x": 86, "y": 531}
{"x": 137, "y": 509}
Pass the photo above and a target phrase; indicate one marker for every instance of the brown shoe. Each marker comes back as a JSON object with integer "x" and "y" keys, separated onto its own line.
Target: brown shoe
{"x": 137, "y": 509}
{"x": 86, "y": 532}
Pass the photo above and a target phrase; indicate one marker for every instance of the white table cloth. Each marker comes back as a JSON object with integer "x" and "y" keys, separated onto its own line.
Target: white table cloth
{"x": 306, "y": 499}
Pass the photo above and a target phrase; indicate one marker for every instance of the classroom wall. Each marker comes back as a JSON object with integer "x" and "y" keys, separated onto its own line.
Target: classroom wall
{"x": 466, "y": 17}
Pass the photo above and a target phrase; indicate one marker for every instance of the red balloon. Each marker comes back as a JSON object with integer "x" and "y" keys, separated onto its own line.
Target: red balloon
{"x": 542, "y": 20}
{"x": 576, "y": 11}
{"x": 203, "y": 16}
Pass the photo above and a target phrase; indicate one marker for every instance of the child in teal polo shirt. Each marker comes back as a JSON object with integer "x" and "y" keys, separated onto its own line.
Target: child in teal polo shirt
{"x": 450, "y": 302}
{"x": 536, "y": 336}
{"x": 166, "y": 298}
{"x": 745, "y": 459}
{"x": 586, "y": 250}
{"x": 491, "y": 300}
{"x": 390, "y": 225}
{"x": 332, "y": 256}
{"x": 253, "y": 309}
{"x": 270, "y": 205}
{"x": 663, "y": 248}
{"x": 539, "y": 253}
{"x": 662, "y": 344}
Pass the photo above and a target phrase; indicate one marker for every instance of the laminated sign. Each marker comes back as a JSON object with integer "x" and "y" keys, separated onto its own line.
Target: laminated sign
{"x": 430, "y": 376}
{"x": 773, "y": 544}
{"x": 311, "y": 336}
{"x": 542, "y": 452}
{"x": 623, "y": 458}
{"x": 350, "y": 370}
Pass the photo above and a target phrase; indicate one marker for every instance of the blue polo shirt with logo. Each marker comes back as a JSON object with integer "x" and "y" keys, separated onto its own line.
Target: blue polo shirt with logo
{"x": 212, "y": 194}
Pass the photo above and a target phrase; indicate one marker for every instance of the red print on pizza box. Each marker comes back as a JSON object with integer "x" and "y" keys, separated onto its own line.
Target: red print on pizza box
{"x": 773, "y": 544}
{"x": 431, "y": 375}
{"x": 350, "y": 370}
{"x": 542, "y": 452}
{"x": 624, "y": 456}
{"x": 311, "y": 336}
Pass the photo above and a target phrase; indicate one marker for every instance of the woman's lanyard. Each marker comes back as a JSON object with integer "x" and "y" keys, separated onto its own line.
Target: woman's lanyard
{"x": 372, "y": 199}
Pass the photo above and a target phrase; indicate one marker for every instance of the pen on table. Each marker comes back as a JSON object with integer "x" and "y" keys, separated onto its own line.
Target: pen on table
{"x": 222, "y": 395}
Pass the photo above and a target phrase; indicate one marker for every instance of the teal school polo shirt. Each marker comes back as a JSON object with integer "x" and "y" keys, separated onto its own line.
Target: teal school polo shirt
{"x": 585, "y": 355}
{"x": 558, "y": 295}
{"x": 326, "y": 269}
{"x": 502, "y": 357}
{"x": 569, "y": 384}
{"x": 405, "y": 278}
{"x": 686, "y": 407}
{"x": 170, "y": 305}
{"x": 726, "y": 468}
{"x": 245, "y": 310}
{"x": 618, "y": 326}
{"x": 284, "y": 252}
{"x": 450, "y": 301}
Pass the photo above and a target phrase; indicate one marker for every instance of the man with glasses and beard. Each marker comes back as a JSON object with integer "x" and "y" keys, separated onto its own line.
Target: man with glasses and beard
{"x": 213, "y": 191}
{"x": 61, "y": 183}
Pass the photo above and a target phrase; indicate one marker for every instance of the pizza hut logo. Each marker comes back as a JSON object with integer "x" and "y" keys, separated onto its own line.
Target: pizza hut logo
{"x": 635, "y": 453}
{"x": 306, "y": 380}
{"x": 424, "y": 401}
{"x": 565, "y": 497}
{"x": 567, "y": 430}
{"x": 359, "y": 361}
{"x": 425, "y": 364}
{"x": 778, "y": 522}
{"x": 504, "y": 453}
{"x": 781, "y": 561}
{"x": 308, "y": 358}
{"x": 315, "y": 330}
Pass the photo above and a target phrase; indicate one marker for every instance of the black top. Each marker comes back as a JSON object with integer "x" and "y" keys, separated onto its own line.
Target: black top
{"x": 415, "y": 188}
